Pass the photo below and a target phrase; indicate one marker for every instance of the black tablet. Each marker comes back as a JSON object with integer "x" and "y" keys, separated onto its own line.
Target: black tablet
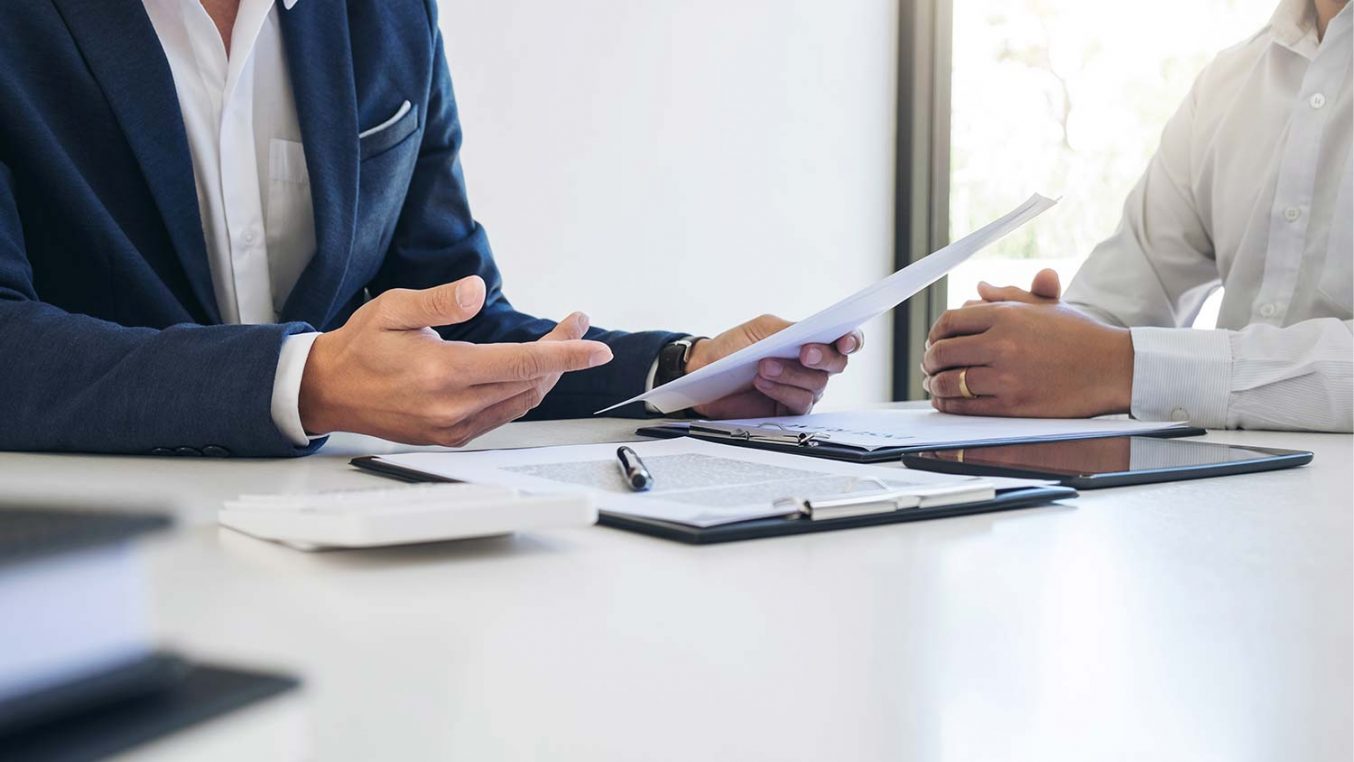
{"x": 1110, "y": 462}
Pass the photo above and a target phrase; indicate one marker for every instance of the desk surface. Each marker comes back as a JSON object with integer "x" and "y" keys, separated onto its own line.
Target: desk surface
{"x": 1196, "y": 620}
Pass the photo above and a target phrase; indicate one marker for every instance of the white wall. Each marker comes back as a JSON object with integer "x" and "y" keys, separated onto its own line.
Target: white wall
{"x": 682, "y": 165}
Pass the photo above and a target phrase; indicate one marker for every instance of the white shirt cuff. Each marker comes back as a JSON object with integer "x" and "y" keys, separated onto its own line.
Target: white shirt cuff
{"x": 291, "y": 364}
{"x": 1182, "y": 374}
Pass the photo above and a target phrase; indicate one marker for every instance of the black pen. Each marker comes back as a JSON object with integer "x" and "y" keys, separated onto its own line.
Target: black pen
{"x": 636, "y": 476}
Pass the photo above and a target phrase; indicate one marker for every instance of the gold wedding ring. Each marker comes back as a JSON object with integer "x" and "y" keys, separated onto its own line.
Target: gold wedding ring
{"x": 963, "y": 386}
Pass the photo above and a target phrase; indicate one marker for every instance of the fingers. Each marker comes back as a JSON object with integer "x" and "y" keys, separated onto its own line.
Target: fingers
{"x": 822, "y": 357}
{"x": 964, "y": 321}
{"x": 794, "y": 400}
{"x": 524, "y": 362}
{"x": 762, "y": 326}
{"x": 980, "y": 406}
{"x": 990, "y": 293}
{"x": 980, "y": 380}
{"x": 958, "y": 352}
{"x": 406, "y": 310}
{"x": 575, "y": 326}
{"x": 792, "y": 373}
{"x": 1045, "y": 287}
{"x": 1046, "y": 284}
{"x": 491, "y": 417}
{"x": 851, "y": 343}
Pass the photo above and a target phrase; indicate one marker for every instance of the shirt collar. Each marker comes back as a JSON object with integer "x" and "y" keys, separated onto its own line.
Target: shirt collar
{"x": 1294, "y": 27}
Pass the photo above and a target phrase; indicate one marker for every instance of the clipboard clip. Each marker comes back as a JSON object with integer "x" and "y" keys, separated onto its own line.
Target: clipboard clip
{"x": 882, "y": 500}
{"x": 767, "y": 433}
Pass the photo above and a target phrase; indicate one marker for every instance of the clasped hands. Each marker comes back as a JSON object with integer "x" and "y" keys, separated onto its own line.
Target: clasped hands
{"x": 1025, "y": 353}
{"x": 387, "y": 373}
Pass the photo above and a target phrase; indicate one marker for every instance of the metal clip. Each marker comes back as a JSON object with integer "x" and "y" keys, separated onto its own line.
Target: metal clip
{"x": 771, "y": 433}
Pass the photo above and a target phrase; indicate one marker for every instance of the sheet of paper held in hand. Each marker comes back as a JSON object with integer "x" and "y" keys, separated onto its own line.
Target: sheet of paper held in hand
{"x": 697, "y": 483}
{"x": 723, "y": 377}
{"x": 879, "y": 429}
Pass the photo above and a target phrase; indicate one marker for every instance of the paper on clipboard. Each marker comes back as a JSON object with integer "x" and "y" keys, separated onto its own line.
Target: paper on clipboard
{"x": 729, "y": 374}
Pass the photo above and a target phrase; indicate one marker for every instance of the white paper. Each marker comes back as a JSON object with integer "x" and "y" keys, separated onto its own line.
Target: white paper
{"x": 876, "y": 429}
{"x": 729, "y": 374}
{"x": 697, "y": 483}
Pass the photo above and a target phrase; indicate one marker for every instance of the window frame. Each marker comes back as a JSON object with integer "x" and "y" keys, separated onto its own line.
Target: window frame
{"x": 922, "y": 174}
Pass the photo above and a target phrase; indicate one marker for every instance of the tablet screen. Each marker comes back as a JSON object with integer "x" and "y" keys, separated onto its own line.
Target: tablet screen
{"x": 1086, "y": 457}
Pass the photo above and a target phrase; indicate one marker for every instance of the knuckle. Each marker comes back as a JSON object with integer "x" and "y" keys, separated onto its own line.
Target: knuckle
{"x": 525, "y": 365}
{"x": 384, "y": 305}
{"x": 944, "y": 324}
{"x": 449, "y": 415}
{"x": 429, "y": 375}
{"x": 939, "y": 355}
{"x": 535, "y": 396}
{"x": 442, "y": 301}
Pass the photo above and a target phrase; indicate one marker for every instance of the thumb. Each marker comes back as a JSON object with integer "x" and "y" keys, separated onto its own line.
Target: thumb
{"x": 1047, "y": 285}
{"x": 408, "y": 310}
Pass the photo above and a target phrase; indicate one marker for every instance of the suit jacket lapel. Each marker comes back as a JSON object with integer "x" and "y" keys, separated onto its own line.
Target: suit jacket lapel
{"x": 125, "y": 57}
{"x": 319, "y": 55}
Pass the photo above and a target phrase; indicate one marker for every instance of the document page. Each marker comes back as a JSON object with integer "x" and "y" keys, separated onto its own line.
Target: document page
{"x": 878, "y": 429}
{"x": 698, "y": 483}
{"x": 736, "y": 371}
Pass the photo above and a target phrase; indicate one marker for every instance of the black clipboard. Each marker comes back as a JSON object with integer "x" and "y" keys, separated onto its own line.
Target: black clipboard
{"x": 825, "y": 448}
{"x": 770, "y": 527}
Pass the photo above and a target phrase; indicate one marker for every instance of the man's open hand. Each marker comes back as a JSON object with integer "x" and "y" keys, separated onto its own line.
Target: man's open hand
{"x": 782, "y": 387}
{"x": 387, "y": 373}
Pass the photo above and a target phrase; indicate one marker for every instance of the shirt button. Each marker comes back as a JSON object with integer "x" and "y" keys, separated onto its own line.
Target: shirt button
{"x": 1292, "y": 214}
{"x": 1180, "y": 414}
{"x": 248, "y": 235}
{"x": 1318, "y": 100}
{"x": 1268, "y": 310}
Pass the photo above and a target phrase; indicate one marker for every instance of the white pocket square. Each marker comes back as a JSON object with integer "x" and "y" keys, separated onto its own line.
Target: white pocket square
{"x": 404, "y": 109}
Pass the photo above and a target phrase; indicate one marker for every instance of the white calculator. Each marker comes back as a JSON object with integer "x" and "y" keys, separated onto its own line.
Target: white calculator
{"x": 399, "y": 515}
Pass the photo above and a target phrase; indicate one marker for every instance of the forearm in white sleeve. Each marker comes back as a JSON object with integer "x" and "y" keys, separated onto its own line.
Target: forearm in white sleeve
{"x": 1158, "y": 267}
{"x": 286, "y": 407}
{"x": 1261, "y": 377}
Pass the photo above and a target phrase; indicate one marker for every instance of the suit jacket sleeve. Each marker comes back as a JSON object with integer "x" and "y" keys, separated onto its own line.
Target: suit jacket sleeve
{"x": 438, "y": 241}
{"x": 72, "y": 382}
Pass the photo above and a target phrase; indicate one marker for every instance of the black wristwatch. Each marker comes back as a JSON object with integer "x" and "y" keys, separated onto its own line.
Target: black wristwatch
{"x": 672, "y": 360}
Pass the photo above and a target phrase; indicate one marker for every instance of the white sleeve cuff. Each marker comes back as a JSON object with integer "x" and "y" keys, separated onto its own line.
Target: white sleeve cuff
{"x": 1182, "y": 374}
{"x": 291, "y": 364}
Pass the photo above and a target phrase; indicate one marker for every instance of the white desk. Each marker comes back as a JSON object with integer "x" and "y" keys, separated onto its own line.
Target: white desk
{"x": 1196, "y": 620}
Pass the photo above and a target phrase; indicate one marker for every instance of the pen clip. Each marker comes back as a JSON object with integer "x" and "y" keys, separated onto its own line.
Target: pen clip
{"x": 771, "y": 433}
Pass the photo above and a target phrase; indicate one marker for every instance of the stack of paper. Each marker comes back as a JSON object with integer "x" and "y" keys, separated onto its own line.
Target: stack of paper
{"x": 696, "y": 483}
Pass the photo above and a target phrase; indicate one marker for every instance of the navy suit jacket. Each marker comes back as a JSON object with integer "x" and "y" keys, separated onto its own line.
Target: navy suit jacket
{"x": 110, "y": 337}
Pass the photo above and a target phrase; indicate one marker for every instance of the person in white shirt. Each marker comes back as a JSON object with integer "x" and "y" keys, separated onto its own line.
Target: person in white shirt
{"x": 1250, "y": 189}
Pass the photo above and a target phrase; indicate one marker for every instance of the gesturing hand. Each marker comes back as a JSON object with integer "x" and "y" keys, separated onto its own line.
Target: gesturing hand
{"x": 782, "y": 387}
{"x": 387, "y": 373}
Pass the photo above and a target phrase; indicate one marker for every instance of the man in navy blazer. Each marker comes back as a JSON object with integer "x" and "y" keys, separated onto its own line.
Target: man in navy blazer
{"x": 163, "y": 293}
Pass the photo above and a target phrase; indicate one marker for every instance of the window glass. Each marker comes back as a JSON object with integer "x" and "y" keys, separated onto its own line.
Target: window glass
{"x": 1068, "y": 98}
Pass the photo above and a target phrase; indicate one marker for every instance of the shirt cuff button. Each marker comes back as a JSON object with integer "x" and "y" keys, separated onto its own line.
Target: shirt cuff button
{"x": 1180, "y": 414}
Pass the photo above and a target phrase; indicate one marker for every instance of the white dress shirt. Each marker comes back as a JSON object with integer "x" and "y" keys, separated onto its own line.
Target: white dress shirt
{"x": 1250, "y": 189}
{"x": 253, "y": 189}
